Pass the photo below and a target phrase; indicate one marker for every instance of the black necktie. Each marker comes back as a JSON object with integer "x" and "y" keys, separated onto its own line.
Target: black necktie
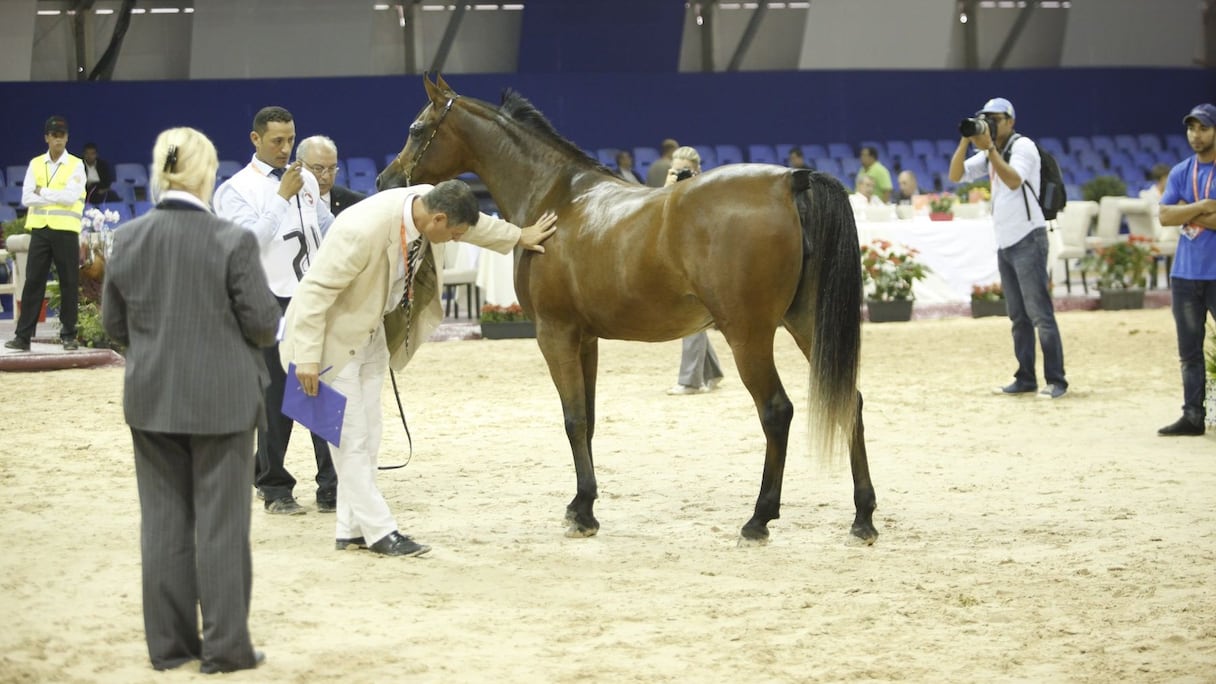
{"x": 277, "y": 173}
{"x": 411, "y": 271}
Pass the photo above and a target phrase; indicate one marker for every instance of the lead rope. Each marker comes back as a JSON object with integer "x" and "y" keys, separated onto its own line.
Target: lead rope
{"x": 411, "y": 253}
{"x": 401, "y": 412}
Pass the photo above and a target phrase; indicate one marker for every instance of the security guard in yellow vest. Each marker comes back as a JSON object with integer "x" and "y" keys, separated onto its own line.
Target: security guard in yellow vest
{"x": 54, "y": 193}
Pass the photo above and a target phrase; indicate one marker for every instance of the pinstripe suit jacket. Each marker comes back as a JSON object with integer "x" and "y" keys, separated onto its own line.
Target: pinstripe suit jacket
{"x": 185, "y": 291}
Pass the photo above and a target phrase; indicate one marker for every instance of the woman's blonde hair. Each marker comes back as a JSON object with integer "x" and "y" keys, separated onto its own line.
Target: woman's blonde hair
{"x": 687, "y": 154}
{"x": 184, "y": 159}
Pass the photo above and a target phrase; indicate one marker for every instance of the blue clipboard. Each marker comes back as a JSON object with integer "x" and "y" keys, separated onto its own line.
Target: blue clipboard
{"x": 321, "y": 414}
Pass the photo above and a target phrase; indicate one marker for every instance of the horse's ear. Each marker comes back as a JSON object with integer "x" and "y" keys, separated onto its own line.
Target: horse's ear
{"x": 433, "y": 91}
{"x": 443, "y": 85}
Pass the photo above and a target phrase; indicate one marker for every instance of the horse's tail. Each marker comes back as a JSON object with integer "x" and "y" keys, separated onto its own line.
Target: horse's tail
{"x": 828, "y": 308}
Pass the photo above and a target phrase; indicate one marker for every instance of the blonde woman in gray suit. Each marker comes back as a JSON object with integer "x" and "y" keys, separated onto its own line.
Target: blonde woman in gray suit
{"x": 184, "y": 290}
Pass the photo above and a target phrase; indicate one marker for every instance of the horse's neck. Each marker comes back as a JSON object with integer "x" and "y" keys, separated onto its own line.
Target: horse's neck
{"x": 524, "y": 174}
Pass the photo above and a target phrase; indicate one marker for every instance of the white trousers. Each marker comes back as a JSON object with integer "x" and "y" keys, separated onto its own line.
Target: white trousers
{"x": 362, "y": 510}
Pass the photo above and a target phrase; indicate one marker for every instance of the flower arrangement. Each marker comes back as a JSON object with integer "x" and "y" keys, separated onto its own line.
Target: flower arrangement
{"x": 987, "y": 293}
{"x": 970, "y": 193}
{"x": 1122, "y": 265}
{"x": 941, "y": 202}
{"x": 96, "y": 241}
{"x": 890, "y": 270}
{"x": 492, "y": 313}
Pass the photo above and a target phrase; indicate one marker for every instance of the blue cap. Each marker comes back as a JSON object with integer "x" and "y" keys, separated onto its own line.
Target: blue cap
{"x": 998, "y": 105}
{"x": 1203, "y": 113}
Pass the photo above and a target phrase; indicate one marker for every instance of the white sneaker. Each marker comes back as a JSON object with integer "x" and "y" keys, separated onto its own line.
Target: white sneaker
{"x": 712, "y": 385}
{"x": 685, "y": 389}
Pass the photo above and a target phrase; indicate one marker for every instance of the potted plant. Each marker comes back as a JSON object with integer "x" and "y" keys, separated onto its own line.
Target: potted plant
{"x": 987, "y": 300}
{"x": 1209, "y": 397}
{"x": 972, "y": 199}
{"x": 889, "y": 271}
{"x": 1103, "y": 186}
{"x": 505, "y": 322}
{"x": 939, "y": 206}
{"x": 1122, "y": 270}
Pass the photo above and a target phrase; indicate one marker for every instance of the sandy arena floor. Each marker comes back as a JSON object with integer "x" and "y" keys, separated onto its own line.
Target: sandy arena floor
{"x": 1021, "y": 539}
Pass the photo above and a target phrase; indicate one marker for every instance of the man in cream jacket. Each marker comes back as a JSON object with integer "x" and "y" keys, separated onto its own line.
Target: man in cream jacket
{"x": 370, "y": 298}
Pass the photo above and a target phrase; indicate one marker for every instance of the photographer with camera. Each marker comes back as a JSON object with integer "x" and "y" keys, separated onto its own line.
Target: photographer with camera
{"x": 1013, "y": 164}
{"x": 699, "y": 367}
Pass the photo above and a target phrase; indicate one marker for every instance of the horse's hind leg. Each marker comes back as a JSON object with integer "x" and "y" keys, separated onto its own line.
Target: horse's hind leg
{"x": 863, "y": 490}
{"x": 864, "y": 499}
{"x": 572, "y": 362}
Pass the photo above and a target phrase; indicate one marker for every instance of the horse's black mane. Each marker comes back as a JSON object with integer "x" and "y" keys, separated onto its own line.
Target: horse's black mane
{"x": 519, "y": 109}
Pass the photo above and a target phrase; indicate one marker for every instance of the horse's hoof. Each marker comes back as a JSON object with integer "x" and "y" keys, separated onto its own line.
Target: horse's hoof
{"x": 576, "y": 531}
{"x": 865, "y": 534}
{"x": 745, "y": 542}
{"x": 754, "y": 535}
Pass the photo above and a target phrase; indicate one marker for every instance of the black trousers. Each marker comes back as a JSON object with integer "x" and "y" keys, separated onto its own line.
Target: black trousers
{"x": 272, "y": 477}
{"x": 47, "y": 246}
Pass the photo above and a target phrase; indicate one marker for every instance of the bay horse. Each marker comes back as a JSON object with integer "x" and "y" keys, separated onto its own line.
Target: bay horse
{"x": 747, "y": 247}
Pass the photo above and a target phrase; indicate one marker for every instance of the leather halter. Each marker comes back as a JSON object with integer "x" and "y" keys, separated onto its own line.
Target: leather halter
{"x": 418, "y": 157}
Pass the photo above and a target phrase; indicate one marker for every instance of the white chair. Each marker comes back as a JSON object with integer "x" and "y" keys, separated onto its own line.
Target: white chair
{"x": 1073, "y": 225}
{"x": 17, "y": 246}
{"x": 1110, "y": 214}
{"x": 460, "y": 270}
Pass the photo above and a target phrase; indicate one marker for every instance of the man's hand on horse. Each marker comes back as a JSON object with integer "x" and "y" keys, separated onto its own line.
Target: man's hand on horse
{"x": 309, "y": 376}
{"x": 531, "y": 237}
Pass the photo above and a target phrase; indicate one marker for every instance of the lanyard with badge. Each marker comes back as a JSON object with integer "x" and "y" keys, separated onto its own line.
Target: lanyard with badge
{"x": 1192, "y": 230}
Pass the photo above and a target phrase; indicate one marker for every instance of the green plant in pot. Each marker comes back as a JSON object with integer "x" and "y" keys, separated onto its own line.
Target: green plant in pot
{"x": 1122, "y": 265}
{"x": 1103, "y": 186}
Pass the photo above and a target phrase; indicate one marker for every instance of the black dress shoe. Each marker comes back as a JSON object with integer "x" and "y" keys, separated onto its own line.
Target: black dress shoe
{"x": 1182, "y": 427}
{"x": 327, "y": 505}
{"x": 71, "y": 345}
{"x": 396, "y": 544}
{"x": 210, "y": 668}
{"x": 352, "y": 543}
{"x": 18, "y": 344}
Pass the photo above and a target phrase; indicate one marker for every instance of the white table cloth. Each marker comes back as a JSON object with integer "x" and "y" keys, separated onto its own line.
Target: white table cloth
{"x": 961, "y": 253}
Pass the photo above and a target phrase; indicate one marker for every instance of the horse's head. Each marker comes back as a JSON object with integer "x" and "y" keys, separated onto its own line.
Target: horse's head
{"x": 432, "y": 151}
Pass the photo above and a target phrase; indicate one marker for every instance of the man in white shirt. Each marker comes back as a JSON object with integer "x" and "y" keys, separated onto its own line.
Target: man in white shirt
{"x": 54, "y": 192}
{"x": 1012, "y": 162}
{"x": 281, "y": 204}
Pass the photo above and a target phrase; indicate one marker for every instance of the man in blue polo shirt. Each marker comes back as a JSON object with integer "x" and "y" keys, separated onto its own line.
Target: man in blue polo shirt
{"x": 1189, "y": 201}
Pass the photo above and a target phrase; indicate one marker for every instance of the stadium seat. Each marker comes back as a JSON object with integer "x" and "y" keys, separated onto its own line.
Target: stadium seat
{"x": 1149, "y": 142}
{"x": 1102, "y": 143}
{"x": 1078, "y": 143}
{"x": 827, "y": 165}
{"x": 728, "y": 154}
{"x": 946, "y": 147}
{"x": 923, "y": 147}
{"x": 364, "y": 184}
{"x": 762, "y": 154}
{"x": 899, "y": 149}
{"x": 1127, "y": 143}
{"x": 838, "y": 150}
{"x": 2, "y": 183}
{"x": 606, "y": 156}
{"x": 227, "y": 170}
{"x": 134, "y": 174}
{"x": 360, "y": 168}
{"x": 811, "y": 150}
{"x": 1052, "y": 145}
{"x": 12, "y": 195}
{"x": 141, "y": 207}
{"x": 15, "y": 175}
{"x": 783, "y": 151}
{"x": 709, "y": 158}
{"x": 124, "y": 191}
{"x": 643, "y": 157}
{"x": 7, "y": 213}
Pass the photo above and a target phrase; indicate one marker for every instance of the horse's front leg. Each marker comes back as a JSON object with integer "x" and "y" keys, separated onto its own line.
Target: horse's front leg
{"x": 864, "y": 499}
{"x": 759, "y": 374}
{"x": 572, "y": 365}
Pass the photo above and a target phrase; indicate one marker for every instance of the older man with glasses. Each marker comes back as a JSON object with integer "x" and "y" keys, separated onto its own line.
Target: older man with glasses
{"x": 320, "y": 155}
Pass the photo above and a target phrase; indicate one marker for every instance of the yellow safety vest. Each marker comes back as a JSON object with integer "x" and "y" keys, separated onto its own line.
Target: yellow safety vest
{"x": 56, "y": 216}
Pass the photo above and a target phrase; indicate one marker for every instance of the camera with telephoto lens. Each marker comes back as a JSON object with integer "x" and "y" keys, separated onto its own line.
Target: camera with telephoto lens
{"x": 976, "y": 126}
{"x": 683, "y": 174}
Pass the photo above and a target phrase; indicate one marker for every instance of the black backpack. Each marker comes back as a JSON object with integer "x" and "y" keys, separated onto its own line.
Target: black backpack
{"x": 1052, "y": 197}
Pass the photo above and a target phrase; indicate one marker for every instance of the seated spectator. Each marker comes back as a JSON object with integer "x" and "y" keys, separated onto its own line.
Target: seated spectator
{"x": 1158, "y": 175}
{"x": 624, "y": 167}
{"x": 796, "y": 160}
{"x": 908, "y": 188}
{"x": 870, "y": 166}
{"x": 99, "y": 176}
{"x": 866, "y": 196}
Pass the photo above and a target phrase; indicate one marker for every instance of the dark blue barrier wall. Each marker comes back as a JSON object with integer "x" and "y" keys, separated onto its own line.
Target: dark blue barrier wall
{"x": 368, "y": 116}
